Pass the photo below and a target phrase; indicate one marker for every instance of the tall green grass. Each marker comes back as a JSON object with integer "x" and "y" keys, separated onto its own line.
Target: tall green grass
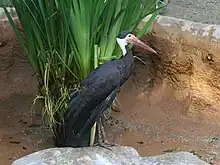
{"x": 60, "y": 38}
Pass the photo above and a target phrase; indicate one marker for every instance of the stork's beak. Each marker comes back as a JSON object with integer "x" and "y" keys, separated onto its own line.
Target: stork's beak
{"x": 135, "y": 41}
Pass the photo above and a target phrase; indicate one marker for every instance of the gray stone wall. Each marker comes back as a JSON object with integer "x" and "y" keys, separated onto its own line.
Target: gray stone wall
{"x": 204, "y": 11}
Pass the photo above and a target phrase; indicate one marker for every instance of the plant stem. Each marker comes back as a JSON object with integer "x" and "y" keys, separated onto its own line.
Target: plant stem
{"x": 92, "y": 136}
{"x": 93, "y": 130}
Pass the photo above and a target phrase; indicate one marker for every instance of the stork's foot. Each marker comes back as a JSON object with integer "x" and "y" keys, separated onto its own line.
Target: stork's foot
{"x": 102, "y": 138}
{"x": 106, "y": 145}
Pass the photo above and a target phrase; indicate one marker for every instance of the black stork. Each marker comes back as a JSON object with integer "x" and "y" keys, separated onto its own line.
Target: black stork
{"x": 97, "y": 93}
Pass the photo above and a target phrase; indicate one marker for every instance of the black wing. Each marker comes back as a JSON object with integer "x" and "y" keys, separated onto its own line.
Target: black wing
{"x": 98, "y": 111}
{"x": 106, "y": 82}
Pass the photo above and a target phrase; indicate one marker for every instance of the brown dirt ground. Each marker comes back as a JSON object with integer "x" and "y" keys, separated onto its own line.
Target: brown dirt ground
{"x": 169, "y": 104}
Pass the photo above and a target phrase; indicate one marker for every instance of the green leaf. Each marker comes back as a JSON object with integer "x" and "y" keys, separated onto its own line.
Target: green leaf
{"x": 65, "y": 40}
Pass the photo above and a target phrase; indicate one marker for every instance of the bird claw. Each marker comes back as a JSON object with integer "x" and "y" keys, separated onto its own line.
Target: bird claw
{"x": 102, "y": 138}
{"x": 106, "y": 145}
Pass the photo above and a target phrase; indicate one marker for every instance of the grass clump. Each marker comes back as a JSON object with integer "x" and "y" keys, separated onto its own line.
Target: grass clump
{"x": 65, "y": 40}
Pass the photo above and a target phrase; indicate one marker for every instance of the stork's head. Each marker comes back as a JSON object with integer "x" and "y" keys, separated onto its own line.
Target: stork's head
{"x": 125, "y": 37}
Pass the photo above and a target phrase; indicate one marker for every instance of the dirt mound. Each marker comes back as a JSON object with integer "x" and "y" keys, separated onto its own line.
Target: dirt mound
{"x": 190, "y": 66}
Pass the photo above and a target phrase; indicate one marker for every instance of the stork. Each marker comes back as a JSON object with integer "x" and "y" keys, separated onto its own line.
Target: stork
{"x": 97, "y": 93}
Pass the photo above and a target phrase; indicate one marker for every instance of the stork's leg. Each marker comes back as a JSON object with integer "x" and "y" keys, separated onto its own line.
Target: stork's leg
{"x": 102, "y": 141}
{"x": 102, "y": 129}
{"x": 99, "y": 141}
{"x": 97, "y": 112}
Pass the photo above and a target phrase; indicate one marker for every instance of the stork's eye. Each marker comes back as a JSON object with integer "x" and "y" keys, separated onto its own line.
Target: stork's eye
{"x": 129, "y": 35}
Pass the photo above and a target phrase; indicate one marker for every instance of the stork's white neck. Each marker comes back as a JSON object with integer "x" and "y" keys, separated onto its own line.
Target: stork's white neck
{"x": 122, "y": 43}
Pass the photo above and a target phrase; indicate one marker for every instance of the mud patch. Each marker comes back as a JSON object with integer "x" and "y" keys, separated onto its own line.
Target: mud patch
{"x": 18, "y": 86}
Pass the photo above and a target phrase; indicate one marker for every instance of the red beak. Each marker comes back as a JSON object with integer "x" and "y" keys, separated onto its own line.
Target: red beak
{"x": 137, "y": 42}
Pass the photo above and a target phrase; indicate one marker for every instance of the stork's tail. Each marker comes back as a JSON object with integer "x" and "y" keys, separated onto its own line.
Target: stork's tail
{"x": 78, "y": 134}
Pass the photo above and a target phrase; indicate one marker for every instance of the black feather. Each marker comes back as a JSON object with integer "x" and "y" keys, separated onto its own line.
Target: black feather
{"x": 98, "y": 90}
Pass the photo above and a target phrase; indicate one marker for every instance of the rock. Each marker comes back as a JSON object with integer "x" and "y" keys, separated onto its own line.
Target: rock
{"x": 101, "y": 156}
{"x": 87, "y": 156}
{"x": 178, "y": 158}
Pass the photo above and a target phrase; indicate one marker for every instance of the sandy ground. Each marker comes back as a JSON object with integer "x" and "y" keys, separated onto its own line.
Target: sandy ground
{"x": 169, "y": 104}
